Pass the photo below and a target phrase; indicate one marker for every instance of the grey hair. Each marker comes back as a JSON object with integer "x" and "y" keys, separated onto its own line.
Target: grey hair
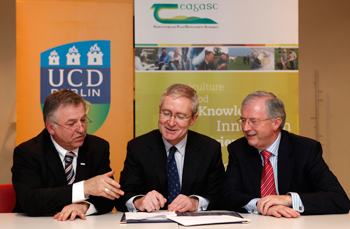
{"x": 62, "y": 97}
{"x": 274, "y": 107}
{"x": 182, "y": 90}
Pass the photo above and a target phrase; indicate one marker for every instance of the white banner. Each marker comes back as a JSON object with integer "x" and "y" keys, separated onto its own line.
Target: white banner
{"x": 216, "y": 22}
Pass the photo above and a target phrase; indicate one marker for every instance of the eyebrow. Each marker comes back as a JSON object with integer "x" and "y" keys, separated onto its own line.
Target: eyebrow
{"x": 172, "y": 112}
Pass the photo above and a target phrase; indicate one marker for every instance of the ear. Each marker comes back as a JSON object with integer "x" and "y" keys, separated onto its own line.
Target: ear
{"x": 276, "y": 123}
{"x": 194, "y": 118}
{"x": 50, "y": 128}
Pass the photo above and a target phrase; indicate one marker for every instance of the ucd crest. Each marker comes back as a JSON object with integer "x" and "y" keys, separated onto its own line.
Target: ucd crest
{"x": 83, "y": 67}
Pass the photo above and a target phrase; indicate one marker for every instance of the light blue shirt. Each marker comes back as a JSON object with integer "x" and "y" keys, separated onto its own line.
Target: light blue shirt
{"x": 297, "y": 204}
{"x": 179, "y": 155}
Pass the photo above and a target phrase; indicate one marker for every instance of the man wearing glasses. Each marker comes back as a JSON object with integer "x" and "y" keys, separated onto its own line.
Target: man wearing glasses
{"x": 273, "y": 172}
{"x": 172, "y": 167}
{"x": 63, "y": 170}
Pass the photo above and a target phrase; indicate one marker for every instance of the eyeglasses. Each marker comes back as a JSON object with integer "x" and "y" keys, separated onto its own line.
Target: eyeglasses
{"x": 250, "y": 122}
{"x": 76, "y": 127}
{"x": 168, "y": 115}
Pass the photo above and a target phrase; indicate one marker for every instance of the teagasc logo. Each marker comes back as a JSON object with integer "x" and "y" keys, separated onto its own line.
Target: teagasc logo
{"x": 83, "y": 67}
{"x": 184, "y": 19}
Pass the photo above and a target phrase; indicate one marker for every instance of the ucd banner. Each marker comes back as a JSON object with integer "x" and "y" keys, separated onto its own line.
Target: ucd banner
{"x": 84, "y": 46}
{"x": 83, "y": 67}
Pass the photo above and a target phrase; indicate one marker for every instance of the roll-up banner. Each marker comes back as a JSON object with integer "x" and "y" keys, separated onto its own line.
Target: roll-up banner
{"x": 225, "y": 50}
{"x": 84, "y": 46}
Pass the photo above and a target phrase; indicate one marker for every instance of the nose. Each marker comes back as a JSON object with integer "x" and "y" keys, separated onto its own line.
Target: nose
{"x": 172, "y": 121}
{"x": 79, "y": 126}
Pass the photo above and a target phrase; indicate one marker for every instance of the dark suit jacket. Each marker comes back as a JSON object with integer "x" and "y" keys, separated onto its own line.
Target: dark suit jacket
{"x": 39, "y": 179}
{"x": 145, "y": 167}
{"x": 301, "y": 169}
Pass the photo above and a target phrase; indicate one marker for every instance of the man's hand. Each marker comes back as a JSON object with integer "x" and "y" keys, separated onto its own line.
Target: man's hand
{"x": 183, "y": 203}
{"x": 280, "y": 210}
{"x": 267, "y": 202}
{"x": 222, "y": 66}
{"x": 150, "y": 202}
{"x": 103, "y": 185}
{"x": 72, "y": 210}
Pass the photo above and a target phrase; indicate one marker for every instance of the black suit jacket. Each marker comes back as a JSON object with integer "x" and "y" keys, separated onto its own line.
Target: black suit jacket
{"x": 39, "y": 179}
{"x": 145, "y": 167}
{"x": 301, "y": 169}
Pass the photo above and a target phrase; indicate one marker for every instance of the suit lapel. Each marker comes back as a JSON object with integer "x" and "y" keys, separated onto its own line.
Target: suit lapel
{"x": 193, "y": 158}
{"x": 53, "y": 160}
{"x": 157, "y": 155}
{"x": 285, "y": 164}
{"x": 82, "y": 164}
{"x": 253, "y": 165}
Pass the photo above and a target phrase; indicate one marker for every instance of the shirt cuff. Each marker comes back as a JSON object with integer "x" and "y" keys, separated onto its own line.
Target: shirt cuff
{"x": 251, "y": 206}
{"x": 297, "y": 204}
{"x": 78, "y": 192}
{"x": 91, "y": 210}
{"x": 130, "y": 204}
{"x": 203, "y": 203}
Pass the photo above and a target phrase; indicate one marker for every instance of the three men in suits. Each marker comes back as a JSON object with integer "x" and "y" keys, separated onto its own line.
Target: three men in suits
{"x": 63, "y": 170}
{"x": 197, "y": 163}
{"x": 299, "y": 181}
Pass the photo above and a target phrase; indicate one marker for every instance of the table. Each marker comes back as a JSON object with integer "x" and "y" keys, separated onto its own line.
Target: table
{"x": 112, "y": 219}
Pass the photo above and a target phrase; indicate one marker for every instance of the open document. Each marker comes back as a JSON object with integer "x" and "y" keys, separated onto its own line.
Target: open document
{"x": 185, "y": 219}
{"x": 144, "y": 217}
{"x": 205, "y": 220}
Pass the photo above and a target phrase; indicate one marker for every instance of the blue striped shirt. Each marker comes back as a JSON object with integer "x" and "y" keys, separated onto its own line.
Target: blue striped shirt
{"x": 297, "y": 204}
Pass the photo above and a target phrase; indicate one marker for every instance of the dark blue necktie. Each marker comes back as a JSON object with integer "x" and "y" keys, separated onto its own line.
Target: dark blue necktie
{"x": 173, "y": 176}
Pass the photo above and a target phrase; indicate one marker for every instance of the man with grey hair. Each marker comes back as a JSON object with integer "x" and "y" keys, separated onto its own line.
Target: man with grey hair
{"x": 64, "y": 171}
{"x": 172, "y": 167}
{"x": 273, "y": 172}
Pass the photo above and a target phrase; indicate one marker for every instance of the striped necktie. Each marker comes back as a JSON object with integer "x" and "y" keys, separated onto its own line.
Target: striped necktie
{"x": 267, "y": 177}
{"x": 68, "y": 167}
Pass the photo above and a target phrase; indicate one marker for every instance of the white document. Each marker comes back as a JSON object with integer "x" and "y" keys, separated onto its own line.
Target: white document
{"x": 148, "y": 215}
{"x": 202, "y": 220}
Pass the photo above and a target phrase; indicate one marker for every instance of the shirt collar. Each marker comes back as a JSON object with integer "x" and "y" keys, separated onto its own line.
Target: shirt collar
{"x": 61, "y": 151}
{"x": 273, "y": 148}
{"x": 181, "y": 146}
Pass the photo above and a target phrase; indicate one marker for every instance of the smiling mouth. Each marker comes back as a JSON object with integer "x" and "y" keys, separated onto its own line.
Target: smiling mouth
{"x": 170, "y": 130}
{"x": 250, "y": 135}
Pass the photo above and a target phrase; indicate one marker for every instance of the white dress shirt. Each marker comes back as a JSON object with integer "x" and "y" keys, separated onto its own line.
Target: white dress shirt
{"x": 78, "y": 187}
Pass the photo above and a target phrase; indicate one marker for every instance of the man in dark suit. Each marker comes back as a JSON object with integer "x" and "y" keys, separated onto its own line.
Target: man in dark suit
{"x": 197, "y": 163}
{"x": 273, "y": 172}
{"x": 63, "y": 169}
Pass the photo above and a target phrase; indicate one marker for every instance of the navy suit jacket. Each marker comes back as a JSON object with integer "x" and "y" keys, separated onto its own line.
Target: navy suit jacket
{"x": 39, "y": 179}
{"x": 301, "y": 169}
{"x": 145, "y": 168}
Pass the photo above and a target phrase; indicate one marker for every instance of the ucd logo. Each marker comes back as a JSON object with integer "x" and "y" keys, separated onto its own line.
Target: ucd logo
{"x": 83, "y": 67}
{"x": 183, "y": 19}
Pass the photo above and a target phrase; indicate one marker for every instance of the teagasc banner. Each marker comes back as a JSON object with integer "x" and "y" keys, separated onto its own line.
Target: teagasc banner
{"x": 225, "y": 49}
{"x": 84, "y": 46}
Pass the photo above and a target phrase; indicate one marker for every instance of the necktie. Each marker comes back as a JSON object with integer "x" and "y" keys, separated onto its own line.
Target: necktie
{"x": 173, "y": 176}
{"x": 68, "y": 167}
{"x": 267, "y": 178}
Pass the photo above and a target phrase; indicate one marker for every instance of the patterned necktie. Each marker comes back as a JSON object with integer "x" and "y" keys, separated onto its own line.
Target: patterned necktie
{"x": 173, "y": 176}
{"x": 68, "y": 167}
{"x": 267, "y": 177}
